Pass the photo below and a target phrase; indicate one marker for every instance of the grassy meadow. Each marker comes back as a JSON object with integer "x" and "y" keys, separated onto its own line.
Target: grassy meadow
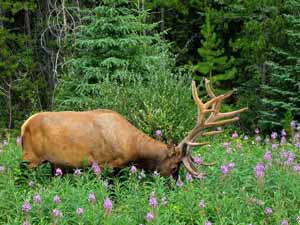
{"x": 254, "y": 181}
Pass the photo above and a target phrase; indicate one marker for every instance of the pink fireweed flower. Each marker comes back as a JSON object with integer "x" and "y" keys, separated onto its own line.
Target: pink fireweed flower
{"x": 297, "y": 144}
{"x": 293, "y": 123}
{"x": 158, "y": 133}
{"x": 56, "y": 213}
{"x": 284, "y": 154}
{"x": 26, "y": 207}
{"x": 283, "y": 133}
{"x": 268, "y": 155}
{"x": 224, "y": 169}
{"x": 284, "y": 222}
{"x": 153, "y": 201}
{"x": 283, "y": 140}
{"x": 259, "y": 170}
{"x": 179, "y": 183}
{"x": 37, "y": 199}
{"x": 258, "y": 138}
{"x": 234, "y": 134}
{"x": 296, "y": 168}
{"x": 164, "y": 201}
{"x": 256, "y": 131}
{"x": 231, "y": 165}
{"x": 208, "y": 222}
{"x": 274, "y": 146}
{"x": 274, "y": 135}
{"x": 198, "y": 160}
{"x": 96, "y": 168}
{"x": 56, "y": 199}
{"x": 19, "y": 140}
{"x": 77, "y": 172}
{"x": 189, "y": 177}
{"x": 268, "y": 211}
{"x": 58, "y": 172}
{"x": 92, "y": 198}
{"x": 133, "y": 170}
{"x": 149, "y": 216}
{"x": 201, "y": 204}
{"x": 108, "y": 205}
{"x": 2, "y": 169}
{"x": 31, "y": 183}
{"x": 79, "y": 211}
{"x": 142, "y": 174}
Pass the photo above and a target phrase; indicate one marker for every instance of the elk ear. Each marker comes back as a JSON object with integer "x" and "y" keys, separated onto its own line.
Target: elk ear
{"x": 173, "y": 151}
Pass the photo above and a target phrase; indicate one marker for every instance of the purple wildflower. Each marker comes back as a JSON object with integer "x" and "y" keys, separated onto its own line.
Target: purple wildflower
{"x": 267, "y": 140}
{"x": 164, "y": 201}
{"x": 208, "y": 223}
{"x": 153, "y": 201}
{"x": 297, "y": 144}
{"x": 258, "y": 138}
{"x": 2, "y": 169}
{"x": 284, "y": 222}
{"x": 202, "y": 204}
{"x": 58, "y": 172}
{"x": 179, "y": 183}
{"x": 77, "y": 172}
{"x": 149, "y": 216}
{"x": 133, "y": 170}
{"x": 274, "y": 146}
{"x": 142, "y": 174}
{"x": 56, "y": 213}
{"x": 293, "y": 123}
{"x": 284, "y": 154}
{"x": 26, "y": 207}
{"x": 259, "y": 170}
{"x": 26, "y": 223}
{"x": 5, "y": 142}
{"x": 296, "y": 168}
{"x": 189, "y": 177}
{"x": 256, "y": 131}
{"x": 96, "y": 168}
{"x": 37, "y": 198}
{"x": 268, "y": 211}
{"x": 79, "y": 211}
{"x": 224, "y": 169}
{"x": 56, "y": 199}
{"x": 31, "y": 183}
{"x": 225, "y": 144}
{"x": 283, "y": 140}
{"x": 268, "y": 155}
{"x": 92, "y": 198}
{"x": 231, "y": 165}
{"x": 283, "y": 133}
{"x": 107, "y": 204}
{"x": 234, "y": 135}
{"x": 274, "y": 135}
{"x": 158, "y": 133}
{"x": 198, "y": 160}
{"x": 19, "y": 140}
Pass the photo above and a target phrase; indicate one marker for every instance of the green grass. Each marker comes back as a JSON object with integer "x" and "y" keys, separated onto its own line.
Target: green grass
{"x": 237, "y": 198}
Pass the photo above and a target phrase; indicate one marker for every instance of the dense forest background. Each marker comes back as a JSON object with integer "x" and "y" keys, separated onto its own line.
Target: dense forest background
{"x": 138, "y": 57}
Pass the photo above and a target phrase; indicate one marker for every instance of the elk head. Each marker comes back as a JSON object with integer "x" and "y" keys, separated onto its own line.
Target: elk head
{"x": 209, "y": 116}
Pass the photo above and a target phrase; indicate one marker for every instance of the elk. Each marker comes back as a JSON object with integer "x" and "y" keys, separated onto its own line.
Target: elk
{"x": 70, "y": 139}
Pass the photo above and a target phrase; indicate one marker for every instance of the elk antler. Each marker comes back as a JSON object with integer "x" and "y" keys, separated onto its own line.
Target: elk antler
{"x": 209, "y": 116}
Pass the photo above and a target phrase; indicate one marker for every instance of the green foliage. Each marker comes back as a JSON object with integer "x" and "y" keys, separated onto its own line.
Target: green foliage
{"x": 281, "y": 90}
{"x": 213, "y": 62}
{"x": 16, "y": 63}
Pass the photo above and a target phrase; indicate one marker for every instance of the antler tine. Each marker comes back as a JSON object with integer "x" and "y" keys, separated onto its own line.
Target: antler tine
{"x": 208, "y": 89}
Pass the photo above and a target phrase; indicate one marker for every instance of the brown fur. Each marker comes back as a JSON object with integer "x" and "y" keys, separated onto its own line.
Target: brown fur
{"x": 74, "y": 139}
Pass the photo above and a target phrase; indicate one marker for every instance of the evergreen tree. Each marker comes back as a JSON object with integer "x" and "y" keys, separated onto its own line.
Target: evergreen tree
{"x": 282, "y": 88}
{"x": 113, "y": 43}
{"x": 214, "y": 63}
